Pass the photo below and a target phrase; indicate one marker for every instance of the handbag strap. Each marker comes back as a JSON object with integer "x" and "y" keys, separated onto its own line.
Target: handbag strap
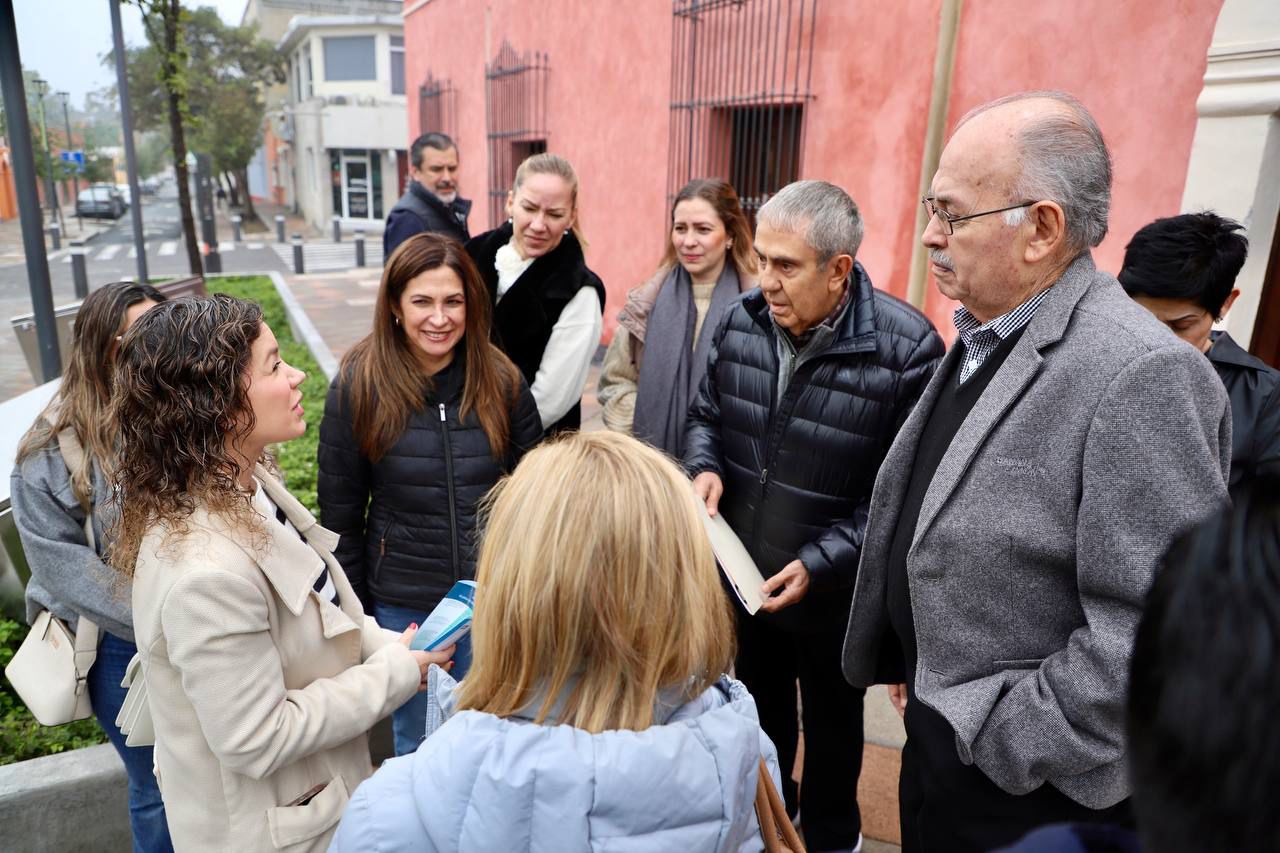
{"x": 86, "y": 644}
{"x": 776, "y": 830}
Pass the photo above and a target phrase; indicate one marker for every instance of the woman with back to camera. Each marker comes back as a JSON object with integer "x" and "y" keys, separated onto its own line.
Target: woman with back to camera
{"x": 595, "y": 715}
{"x": 58, "y": 482}
{"x": 659, "y": 355}
{"x": 549, "y": 306}
{"x": 263, "y": 673}
{"x": 424, "y": 417}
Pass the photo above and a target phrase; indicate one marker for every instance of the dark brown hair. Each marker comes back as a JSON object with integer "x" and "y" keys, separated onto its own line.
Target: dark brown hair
{"x": 385, "y": 380}
{"x": 724, "y": 200}
{"x": 85, "y": 392}
{"x": 180, "y": 393}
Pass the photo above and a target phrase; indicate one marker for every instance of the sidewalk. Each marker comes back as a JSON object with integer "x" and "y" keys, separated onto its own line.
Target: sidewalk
{"x": 11, "y": 249}
{"x": 340, "y": 305}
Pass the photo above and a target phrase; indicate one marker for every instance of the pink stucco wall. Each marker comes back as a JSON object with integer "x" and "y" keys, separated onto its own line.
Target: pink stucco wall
{"x": 609, "y": 92}
{"x": 1137, "y": 70}
{"x": 607, "y": 111}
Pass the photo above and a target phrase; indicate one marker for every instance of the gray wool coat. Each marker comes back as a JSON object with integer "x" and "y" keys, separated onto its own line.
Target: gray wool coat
{"x": 1101, "y": 437}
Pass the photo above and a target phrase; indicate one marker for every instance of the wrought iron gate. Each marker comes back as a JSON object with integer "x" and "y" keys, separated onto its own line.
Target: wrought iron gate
{"x": 515, "y": 96}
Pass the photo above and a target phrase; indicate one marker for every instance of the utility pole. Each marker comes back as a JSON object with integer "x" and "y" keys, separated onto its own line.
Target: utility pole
{"x": 24, "y": 174}
{"x": 130, "y": 157}
{"x": 75, "y": 175}
{"x": 55, "y": 211}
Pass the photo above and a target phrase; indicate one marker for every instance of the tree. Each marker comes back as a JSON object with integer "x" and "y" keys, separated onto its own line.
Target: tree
{"x": 202, "y": 80}
{"x": 162, "y": 84}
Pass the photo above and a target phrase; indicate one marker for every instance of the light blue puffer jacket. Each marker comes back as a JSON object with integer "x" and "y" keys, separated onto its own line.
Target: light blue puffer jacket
{"x": 481, "y": 783}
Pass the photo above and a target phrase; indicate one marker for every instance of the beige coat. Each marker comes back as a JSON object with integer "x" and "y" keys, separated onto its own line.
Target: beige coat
{"x": 260, "y": 689}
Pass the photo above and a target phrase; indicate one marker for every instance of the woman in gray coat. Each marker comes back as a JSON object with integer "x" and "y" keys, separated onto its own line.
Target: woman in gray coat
{"x": 57, "y": 483}
{"x": 595, "y": 715}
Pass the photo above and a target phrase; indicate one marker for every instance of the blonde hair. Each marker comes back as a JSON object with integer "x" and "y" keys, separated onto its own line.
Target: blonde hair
{"x": 553, "y": 164}
{"x": 597, "y": 588}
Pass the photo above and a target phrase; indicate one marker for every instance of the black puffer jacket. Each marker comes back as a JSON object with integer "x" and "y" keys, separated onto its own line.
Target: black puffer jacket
{"x": 1254, "y": 389}
{"x": 798, "y": 472}
{"x": 418, "y": 534}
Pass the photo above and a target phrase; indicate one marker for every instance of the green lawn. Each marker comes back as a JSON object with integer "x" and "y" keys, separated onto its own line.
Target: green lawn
{"x": 21, "y": 737}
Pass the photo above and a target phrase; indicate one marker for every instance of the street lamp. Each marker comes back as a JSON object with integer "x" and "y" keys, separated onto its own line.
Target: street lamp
{"x": 42, "y": 89}
{"x": 75, "y": 175}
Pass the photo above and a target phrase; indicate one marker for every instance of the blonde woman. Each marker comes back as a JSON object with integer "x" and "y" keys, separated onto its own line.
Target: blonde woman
{"x": 595, "y": 714}
{"x": 549, "y": 307}
{"x": 263, "y": 672}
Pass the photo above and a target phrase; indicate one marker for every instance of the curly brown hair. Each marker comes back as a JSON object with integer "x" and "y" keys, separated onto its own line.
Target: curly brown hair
{"x": 180, "y": 391}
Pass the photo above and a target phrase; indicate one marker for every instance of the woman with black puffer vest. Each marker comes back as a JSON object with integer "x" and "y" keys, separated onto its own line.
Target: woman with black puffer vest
{"x": 425, "y": 416}
{"x": 549, "y": 307}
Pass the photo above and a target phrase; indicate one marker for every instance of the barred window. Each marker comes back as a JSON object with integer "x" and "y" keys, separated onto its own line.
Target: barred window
{"x": 516, "y": 116}
{"x": 740, "y": 78}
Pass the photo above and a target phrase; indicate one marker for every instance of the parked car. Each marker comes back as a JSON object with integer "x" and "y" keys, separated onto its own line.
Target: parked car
{"x": 100, "y": 200}
{"x": 123, "y": 189}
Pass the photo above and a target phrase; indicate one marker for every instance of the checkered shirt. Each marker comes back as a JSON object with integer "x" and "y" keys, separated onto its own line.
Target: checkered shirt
{"x": 980, "y": 339}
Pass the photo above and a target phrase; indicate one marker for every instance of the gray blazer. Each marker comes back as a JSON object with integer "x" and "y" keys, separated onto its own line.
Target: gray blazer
{"x": 1101, "y": 437}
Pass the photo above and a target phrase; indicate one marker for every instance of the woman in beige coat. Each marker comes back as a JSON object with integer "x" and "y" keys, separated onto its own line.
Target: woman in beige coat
{"x": 262, "y": 671}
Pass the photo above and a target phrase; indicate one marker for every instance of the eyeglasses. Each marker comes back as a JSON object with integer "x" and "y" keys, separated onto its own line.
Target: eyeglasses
{"x": 949, "y": 221}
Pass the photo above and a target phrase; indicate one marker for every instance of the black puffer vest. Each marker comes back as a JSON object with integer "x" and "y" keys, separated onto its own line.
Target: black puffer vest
{"x": 523, "y": 320}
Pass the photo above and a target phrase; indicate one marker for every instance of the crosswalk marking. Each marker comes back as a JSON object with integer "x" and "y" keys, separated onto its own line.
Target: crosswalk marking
{"x": 168, "y": 247}
{"x": 327, "y": 257}
{"x": 109, "y": 252}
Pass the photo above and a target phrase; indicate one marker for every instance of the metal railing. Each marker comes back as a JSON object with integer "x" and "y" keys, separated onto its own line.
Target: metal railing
{"x": 741, "y": 74}
{"x": 515, "y": 97}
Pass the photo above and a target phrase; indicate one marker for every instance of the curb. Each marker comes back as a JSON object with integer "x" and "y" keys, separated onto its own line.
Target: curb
{"x": 72, "y": 801}
{"x": 302, "y": 327}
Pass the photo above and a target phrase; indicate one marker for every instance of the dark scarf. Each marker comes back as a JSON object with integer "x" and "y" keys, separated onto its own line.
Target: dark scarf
{"x": 673, "y": 363}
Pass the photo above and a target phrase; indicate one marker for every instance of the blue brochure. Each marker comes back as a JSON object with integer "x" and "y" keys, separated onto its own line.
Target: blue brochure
{"x": 450, "y": 621}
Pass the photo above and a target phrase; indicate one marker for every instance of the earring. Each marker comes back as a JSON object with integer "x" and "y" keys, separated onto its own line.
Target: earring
{"x": 397, "y": 320}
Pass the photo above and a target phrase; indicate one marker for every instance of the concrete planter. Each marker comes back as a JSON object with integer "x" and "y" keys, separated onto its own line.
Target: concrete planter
{"x": 70, "y": 802}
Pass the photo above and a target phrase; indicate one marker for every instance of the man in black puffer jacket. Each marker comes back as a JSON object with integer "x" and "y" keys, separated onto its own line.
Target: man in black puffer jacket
{"x": 808, "y": 381}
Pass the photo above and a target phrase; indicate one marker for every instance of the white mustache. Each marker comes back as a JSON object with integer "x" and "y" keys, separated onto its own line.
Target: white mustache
{"x": 941, "y": 258}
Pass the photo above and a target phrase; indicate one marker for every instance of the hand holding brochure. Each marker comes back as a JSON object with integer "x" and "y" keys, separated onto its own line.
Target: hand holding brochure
{"x": 734, "y": 560}
{"x": 449, "y": 622}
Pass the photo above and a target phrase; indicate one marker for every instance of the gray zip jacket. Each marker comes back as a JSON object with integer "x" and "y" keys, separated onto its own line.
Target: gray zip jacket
{"x": 68, "y": 577}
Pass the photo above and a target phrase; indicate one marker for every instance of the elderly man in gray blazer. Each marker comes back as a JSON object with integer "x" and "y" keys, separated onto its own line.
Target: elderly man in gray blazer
{"x": 1017, "y": 521}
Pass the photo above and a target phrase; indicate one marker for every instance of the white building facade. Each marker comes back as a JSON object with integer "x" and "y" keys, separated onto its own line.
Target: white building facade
{"x": 346, "y": 116}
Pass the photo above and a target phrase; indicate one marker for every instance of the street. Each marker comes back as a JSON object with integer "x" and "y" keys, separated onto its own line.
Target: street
{"x": 112, "y": 257}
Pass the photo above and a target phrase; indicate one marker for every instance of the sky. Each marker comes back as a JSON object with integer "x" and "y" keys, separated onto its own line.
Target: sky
{"x": 64, "y": 40}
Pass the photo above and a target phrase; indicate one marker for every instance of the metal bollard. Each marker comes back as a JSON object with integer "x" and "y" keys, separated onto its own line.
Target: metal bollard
{"x": 359, "y": 247}
{"x": 279, "y": 228}
{"x": 337, "y": 229}
{"x": 235, "y": 228}
{"x": 213, "y": 260}
{"x": 55, "y": 235}
{"x": 80, "y": 268}
{"x": 298, "y": 266}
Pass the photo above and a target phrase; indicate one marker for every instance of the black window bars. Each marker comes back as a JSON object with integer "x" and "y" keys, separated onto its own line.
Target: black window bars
{"x": 437, "y": 106}
{"x": 515, "y": 96}
{"x": 741, "y": 73}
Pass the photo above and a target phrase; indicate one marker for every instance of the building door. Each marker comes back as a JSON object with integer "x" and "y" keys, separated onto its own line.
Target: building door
{"x": 355, "y": 186}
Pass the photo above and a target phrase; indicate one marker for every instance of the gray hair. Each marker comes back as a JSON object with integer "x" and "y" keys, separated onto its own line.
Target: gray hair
{"x": 1064, "y": 159}
{"x": 822, "y": 212}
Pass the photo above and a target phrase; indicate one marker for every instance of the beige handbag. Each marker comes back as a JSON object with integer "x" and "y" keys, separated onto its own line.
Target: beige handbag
{"x": 775, "y": 827}
{"x": 50, "y": 670}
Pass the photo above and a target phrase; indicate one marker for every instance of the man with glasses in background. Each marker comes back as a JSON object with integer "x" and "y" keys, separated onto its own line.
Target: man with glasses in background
{"x": 1018, "y": 517}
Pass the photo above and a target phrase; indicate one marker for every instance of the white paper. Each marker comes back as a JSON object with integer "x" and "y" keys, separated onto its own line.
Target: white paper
{"x": 734, "y": 560}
